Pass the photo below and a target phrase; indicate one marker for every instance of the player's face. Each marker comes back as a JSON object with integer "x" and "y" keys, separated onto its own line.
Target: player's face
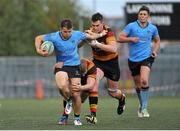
{"x": 66, "y": 33}
{"x": 97, "y": 26}
{"x": 143, "y": 16}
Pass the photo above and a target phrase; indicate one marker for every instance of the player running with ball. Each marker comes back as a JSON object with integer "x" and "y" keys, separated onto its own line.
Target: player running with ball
{"x": 66, "y": 49}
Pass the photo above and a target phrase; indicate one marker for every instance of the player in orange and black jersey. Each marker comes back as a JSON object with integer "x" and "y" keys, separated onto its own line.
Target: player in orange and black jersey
{"x": 87, "y": 88}
{"x": 105, "y": 54}
{"x": 88, "y": 80}
{"x": 105, "y": 57}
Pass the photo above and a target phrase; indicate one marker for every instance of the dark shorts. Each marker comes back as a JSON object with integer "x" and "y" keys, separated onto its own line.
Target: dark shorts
{"x": 72, "y": 71}
{"x": 110, "y": 68}
{"x": 136, "y": 66}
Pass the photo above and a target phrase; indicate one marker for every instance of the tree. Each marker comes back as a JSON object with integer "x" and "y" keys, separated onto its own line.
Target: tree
{"x": 22, "y": 20}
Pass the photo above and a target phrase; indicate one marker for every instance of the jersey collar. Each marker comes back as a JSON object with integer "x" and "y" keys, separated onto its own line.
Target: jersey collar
{"x": 60, "y": 34}
{"x": 138, "y": 22}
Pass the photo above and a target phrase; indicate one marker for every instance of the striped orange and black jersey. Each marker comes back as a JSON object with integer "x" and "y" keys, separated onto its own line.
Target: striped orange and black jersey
{"x": 102, "y": 55}
{"x": 90, "y": 71}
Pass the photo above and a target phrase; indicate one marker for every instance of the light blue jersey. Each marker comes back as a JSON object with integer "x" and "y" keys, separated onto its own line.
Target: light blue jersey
{"x": 66, "y": 50}
{"x": 143, "y": 49}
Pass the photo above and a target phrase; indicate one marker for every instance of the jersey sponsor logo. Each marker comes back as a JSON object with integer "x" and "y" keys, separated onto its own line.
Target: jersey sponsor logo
{"x": 77, "y": 73}
{"x": 73, "y": 41}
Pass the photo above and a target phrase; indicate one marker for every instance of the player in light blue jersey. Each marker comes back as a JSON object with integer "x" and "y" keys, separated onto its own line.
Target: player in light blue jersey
{"x": 142, "y": 52}
{"x": 66, "y": 49}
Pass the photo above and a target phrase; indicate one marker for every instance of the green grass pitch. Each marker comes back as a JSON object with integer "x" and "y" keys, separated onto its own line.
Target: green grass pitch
{"x": 31, "y": 114}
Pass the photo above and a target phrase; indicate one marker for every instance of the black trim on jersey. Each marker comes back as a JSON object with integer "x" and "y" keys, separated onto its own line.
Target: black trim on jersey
{"x": 92, "y": 70}
{"x": 60, "y": 34}
{"x": 141, "y": 26}
{"x": 84, "y": 78}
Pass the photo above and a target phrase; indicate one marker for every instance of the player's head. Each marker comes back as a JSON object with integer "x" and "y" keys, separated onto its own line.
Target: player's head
{"x": 66, "y": 28}
{"x": 97, "y": 22}
{"x": 143, "y": 14}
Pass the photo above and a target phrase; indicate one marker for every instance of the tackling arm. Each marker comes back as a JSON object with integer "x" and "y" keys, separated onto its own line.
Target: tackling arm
{"x": 91, "y": 35}
{"x": 90, "y": 84}
{"x": 111, "y": 47}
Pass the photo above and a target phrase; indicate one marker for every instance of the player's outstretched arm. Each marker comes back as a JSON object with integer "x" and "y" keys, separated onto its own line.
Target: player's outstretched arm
{"x": 110, "y": 47}
{"x": 93, "y": 36}
{"x": 90, "y": 84}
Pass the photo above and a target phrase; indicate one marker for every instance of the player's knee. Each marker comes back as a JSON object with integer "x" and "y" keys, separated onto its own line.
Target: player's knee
{"x": 76, "y": 94}
{"x": 144, "y": 82}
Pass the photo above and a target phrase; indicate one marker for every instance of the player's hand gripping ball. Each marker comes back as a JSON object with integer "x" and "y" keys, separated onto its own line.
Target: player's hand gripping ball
{"x": 48, "y": 46}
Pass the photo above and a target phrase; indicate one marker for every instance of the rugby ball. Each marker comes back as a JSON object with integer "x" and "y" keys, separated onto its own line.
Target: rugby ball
{"x": 48, "y": 46}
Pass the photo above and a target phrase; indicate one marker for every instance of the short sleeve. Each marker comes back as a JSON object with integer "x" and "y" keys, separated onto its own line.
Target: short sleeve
{"x": 155, "y": 32}
{"x": 48, "y": 37}
{"x": 81, "y": 35}
{"x": 127, "y": 29}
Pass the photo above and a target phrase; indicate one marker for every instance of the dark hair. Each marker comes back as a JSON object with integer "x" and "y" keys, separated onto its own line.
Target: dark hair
{"x": 145, "y": 8}
{"x": 66, "y": 23}
{"x": 96, "y": 17}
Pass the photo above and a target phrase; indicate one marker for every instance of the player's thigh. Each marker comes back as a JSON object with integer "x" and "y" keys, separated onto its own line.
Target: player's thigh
{"x": 145, "y": 68}
{"x": 75, "y": 81}
{"x": 100, "y": 74}
{"x": 134, "y": 68}
{"x": 61, "y": 78}
{"x": 144, "y": 74}
{"x": 137, "y": 81}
